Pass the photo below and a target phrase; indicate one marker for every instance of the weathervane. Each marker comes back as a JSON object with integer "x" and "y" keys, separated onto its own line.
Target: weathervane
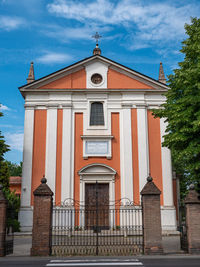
{"x": 97, "y": 37}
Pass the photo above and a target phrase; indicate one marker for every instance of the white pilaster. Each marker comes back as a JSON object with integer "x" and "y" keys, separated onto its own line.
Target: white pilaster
{"x": 143, "y": 149}
{"x": 51, "y": 142}
{"x": 27, "y": 156}
{"x": 126, "y": 153}
{"x": 166, "y": 169}
{"x": 66, "y": 154}
{"x": 72, "y": 151}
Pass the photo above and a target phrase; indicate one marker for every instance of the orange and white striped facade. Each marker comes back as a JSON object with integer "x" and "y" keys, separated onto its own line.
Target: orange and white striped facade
{"x": 60, "y": 143}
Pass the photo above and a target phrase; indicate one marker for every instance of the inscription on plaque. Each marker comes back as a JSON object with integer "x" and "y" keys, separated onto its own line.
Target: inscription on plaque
{"x": 97, "y": 147}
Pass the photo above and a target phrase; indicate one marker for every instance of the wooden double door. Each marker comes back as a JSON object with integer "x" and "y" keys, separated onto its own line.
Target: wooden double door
{"x": 97, "y": 206}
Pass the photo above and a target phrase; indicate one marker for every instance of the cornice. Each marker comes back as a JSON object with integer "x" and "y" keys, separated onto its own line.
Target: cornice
{"x": 97, "y": 136}
{"x": 127, "y": 105}
{"x": 93, "y": 90}
{"x": 141, "y": 105}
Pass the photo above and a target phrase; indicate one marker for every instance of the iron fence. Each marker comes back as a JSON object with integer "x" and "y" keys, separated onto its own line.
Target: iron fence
{"x": 183, "y": 228}
{"x": 94, "y": 230}
{"x": 9, "y": 241}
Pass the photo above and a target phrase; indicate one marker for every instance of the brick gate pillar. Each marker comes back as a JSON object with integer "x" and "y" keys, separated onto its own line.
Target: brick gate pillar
{"x": 3, "y": 206}
{"x": 151, "y": 217}
{"x": 192, "y": 204}
{"x": 42, "y": 220}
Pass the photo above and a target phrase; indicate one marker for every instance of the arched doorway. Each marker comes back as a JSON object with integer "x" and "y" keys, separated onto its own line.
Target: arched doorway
{"x": 97, "y": 192}
{"x": 101, "y": 173}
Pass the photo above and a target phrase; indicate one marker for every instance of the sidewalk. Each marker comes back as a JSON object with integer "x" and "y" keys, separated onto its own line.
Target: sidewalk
{"x": 23, "y": 243}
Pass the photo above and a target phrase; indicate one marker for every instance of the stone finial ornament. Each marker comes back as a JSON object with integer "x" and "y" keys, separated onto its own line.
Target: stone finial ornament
{"x": 192, "y": 196}
{"x": 43, "y": 189}
{"x": 149, "y": 178}
{"x": 97, "y": 50}
{"x": 150, "y": 188}
{"x": 191, "y": 187}
{"x": 161, "y": 74}
{"x": 31, "y": 75}
{"x": 43, "y": 180}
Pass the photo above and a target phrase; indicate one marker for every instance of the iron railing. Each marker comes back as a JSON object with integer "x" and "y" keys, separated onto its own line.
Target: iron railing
{"x": 11, "y": 215}
{"x": 94, "y": 230}
{"x": 9, "y": 240}
{"x": 183, "y": 228}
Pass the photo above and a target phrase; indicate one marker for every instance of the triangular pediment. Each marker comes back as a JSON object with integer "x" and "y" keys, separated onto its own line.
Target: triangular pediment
{"x": 74, "y": 77}
{"x": 72, "y": 80}
{"x": 119, "y": 80}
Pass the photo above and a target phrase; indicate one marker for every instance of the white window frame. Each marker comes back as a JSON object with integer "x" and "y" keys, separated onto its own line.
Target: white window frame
{"x": 88, "y": 138}
{"x": 97, "y": 84}
{"x": 105, "y": 112}
{"x": 99, "y": 102}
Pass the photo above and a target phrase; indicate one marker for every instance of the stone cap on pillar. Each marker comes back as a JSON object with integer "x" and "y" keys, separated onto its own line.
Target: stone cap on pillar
{"x": 43, "y": 189}
{"x": 192, "y": 196}
{"x": 2, "y": 197}
{"x": 150, "y": 188}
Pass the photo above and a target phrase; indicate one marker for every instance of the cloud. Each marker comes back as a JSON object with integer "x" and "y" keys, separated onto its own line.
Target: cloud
{"x": 66, "y": 34}
{"x": 10, "y": 23}
{"x": 147, "y": 23}
{"x": 6, "y": 126}
{"x": 4, "y": 108}
{"x": 96, "y": 10}
{"x": 51, "y": 57}
{"x": 83, "y": 32}
{"x": 14, "y": 140}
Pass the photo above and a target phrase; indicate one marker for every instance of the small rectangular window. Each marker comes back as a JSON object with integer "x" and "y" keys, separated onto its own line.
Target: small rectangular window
{"x": 96, "y": 114}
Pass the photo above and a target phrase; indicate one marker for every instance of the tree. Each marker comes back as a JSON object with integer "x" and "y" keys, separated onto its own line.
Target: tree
{"x": 13, "y": 201}
{"x": 14, "y": 169}
{"x": 182, "y": 109}
{"x": 4, "y": 175}
{"x": 3, "y": 147}
{"x": 4, "y": 172}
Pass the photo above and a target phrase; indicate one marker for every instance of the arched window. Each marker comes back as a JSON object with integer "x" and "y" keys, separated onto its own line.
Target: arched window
{"x": 96, "y": 114}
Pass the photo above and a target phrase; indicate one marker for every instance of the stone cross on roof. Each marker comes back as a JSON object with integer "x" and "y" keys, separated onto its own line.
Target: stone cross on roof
{"x": 97, "y": 50}
{"x": 97, "y": 37}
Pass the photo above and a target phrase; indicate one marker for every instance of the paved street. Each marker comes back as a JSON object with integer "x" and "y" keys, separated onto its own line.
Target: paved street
{"x": 148, "y": 261}
{"x": 96, "y": 262}
{"x": 22, "y": 251}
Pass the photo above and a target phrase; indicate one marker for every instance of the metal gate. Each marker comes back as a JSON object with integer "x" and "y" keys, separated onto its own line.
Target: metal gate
{"x": 9, "y": 241}
{"x": 183, "y": 228}
{"x": 115, "y": 229}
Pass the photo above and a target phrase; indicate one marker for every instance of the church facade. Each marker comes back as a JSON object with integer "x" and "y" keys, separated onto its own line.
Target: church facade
{"x": 92, "y": 122}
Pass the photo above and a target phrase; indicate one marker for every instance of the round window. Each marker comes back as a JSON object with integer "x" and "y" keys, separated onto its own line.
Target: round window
{"x": 96, "y": 78}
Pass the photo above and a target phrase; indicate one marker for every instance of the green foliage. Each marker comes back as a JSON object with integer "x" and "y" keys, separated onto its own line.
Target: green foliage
{"x": 13, "y": 200}
{"x": 12, "y": 209}
{"x": 4, "y": 175}
{"x": 14, "y": 223}
{"x": 3, "y": 147}
{"x": 14, "y": 169}
{"x": 4, "y": 172}
{"x": 182, "y": 109}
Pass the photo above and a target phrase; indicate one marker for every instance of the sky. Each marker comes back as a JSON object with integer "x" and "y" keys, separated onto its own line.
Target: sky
{"x": 56, "y": 33}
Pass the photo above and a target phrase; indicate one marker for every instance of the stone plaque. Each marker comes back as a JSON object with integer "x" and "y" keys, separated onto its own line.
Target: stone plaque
{"x": 96, "y": 147}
